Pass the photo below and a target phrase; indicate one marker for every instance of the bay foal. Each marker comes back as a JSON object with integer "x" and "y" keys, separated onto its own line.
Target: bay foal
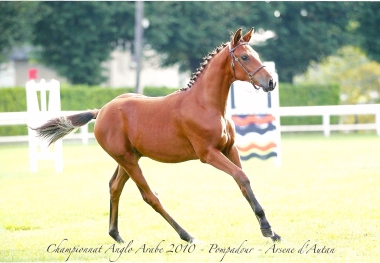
{"x": 185, "y": 125}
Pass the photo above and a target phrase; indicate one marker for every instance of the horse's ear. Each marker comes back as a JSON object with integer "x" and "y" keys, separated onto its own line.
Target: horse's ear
{"x": 248, "y": 36}
{"x": 237, "y": 36}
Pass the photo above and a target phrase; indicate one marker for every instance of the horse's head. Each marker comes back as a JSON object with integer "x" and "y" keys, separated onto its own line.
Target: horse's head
{"x": 250, "y": 67}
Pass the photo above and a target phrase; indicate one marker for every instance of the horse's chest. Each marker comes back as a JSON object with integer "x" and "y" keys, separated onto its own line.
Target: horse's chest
{"x": 225, "y": 136}
{"x": 208, "y": 131}
{"x": 224, "y": 139}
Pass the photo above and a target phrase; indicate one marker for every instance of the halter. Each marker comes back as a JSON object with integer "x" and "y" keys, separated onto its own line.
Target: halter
{"x": 250, "y": 74}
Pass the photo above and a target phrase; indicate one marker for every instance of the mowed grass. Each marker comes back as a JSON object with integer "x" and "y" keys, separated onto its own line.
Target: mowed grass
{"x": 325, "y": 194}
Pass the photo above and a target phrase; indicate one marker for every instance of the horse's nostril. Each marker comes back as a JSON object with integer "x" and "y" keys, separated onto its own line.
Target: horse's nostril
{"x": 271, "y": 87}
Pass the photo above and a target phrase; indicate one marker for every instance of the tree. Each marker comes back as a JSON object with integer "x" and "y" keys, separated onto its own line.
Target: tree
{"x": 184, "y": 32}
{"x": 368, "y": 18}
{"x": 15, "y": 25}
{"x": 358, "y": 76}
{"x": 76, "y": 37}
{"x": 305, "y": 32}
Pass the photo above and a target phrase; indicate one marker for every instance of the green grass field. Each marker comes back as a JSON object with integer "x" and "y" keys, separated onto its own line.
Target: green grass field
{"x": 326, "y": 194}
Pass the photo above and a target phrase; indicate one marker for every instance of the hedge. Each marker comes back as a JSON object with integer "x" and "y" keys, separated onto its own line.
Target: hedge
{"x": 81, "y": 97}
{"x": 308, "y": 95}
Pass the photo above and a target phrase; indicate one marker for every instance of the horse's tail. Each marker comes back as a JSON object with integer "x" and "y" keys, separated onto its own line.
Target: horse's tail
{"x": 57, "y": 128}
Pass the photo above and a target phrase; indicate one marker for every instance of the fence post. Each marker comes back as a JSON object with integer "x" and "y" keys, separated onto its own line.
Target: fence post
{"x": 326, "y": 125}
{"x": 84, "y": 134}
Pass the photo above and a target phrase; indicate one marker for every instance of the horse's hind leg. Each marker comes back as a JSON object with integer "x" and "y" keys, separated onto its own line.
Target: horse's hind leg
{"x": 116, "y": 184}
{"x": 134, "y": 170}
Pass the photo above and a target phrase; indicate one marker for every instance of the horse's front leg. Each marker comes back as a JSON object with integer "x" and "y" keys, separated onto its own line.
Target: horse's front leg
{"x": 232, "y": 166}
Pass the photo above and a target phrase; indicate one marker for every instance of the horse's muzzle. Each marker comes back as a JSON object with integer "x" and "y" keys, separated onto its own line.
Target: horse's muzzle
{"x": 270, "y": 87}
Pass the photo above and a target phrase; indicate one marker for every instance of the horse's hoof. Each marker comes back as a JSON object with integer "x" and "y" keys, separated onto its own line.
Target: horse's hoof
{"x": 194, "y": 241}
{"x": 116, "y": 237}
{"x": 276, "y": 238}
{"x": 120, "y": 240}
{"x": 267, "y": 232}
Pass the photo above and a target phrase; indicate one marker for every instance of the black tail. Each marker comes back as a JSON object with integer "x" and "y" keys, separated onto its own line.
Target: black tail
{"x": 57, "y": 128}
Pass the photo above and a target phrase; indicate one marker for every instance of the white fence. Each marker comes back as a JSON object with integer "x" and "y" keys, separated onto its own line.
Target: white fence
{"x": 21, "y": 118}
{"x": 326, "y": 112}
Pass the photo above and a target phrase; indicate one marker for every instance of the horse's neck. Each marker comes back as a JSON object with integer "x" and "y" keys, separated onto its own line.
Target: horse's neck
{"x": 212, "y": 87}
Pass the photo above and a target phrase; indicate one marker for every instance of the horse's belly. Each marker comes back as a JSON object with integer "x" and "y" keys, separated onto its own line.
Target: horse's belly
{"x": 168, "y": 150}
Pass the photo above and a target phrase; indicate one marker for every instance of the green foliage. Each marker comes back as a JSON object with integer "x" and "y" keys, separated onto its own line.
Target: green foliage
{"x": 369, "y": 20}
{"x": 16, "y": 20}
{"x": 358, "y": 76}
{"x": 157, "y": 92}
{"x": 84, "y": 98}
{"x": 308, "y": 95}
{"x": 77, "y": 37}
{"x": 186, "y": 31}
{"x": 305, "y": 31}
{"x": 12, "y": 99}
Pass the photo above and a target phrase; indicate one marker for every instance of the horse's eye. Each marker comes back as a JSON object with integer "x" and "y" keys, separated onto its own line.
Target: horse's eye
{"x": 244, "y": 57}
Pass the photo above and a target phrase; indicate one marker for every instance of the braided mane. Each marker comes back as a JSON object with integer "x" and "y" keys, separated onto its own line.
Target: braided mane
{"x": 199, "y": 70}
